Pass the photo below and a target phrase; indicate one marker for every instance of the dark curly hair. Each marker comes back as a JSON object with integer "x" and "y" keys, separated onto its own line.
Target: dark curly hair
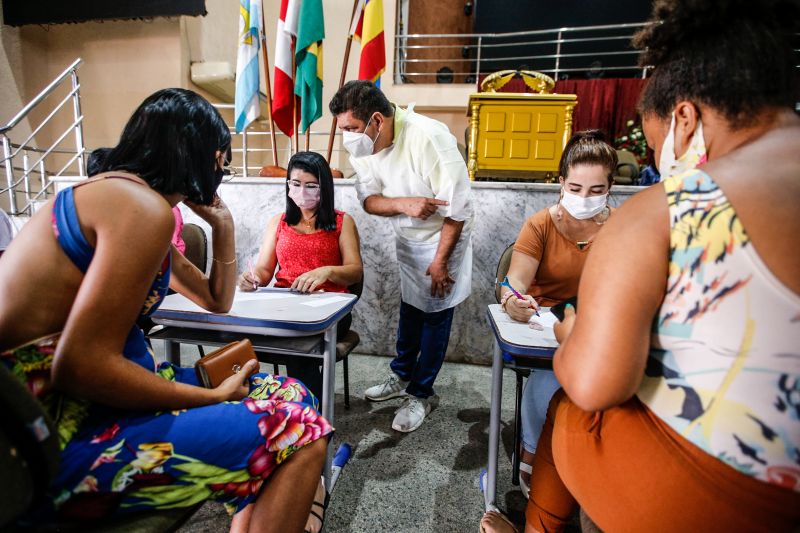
{"x": 734, "y": 56}
{"x": 361, "y": 98}
{"x": 588, "y": 147}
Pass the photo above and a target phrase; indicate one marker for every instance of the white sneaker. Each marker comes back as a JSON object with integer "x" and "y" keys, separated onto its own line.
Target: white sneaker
{"x": 411, "y": 414}
{"x": 392, "y": 387}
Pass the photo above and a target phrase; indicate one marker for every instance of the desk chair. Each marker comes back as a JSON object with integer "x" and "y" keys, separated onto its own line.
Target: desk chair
{"x": 29, "y": 456}
{"x": 627, "y": 171}
{"x": 344, "y": 346}
{"x": 196, "y": 252}
{"x": 502, "y": 270}
{"x": 196, "y": 245}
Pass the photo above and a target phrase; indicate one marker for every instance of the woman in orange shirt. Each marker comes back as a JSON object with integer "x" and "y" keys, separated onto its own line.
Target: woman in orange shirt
{"x": 547, "y": 262}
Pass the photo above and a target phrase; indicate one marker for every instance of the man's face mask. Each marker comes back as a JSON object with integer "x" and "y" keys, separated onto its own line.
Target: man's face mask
{"x": 669, "y": 165}
{"x": 359, "y": 144}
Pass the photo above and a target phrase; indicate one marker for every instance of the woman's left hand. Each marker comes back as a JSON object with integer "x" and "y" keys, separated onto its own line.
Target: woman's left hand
{"x": 215, "y": 213}
{"x": 312, "y": 279}
{"x": 563, "y": 329}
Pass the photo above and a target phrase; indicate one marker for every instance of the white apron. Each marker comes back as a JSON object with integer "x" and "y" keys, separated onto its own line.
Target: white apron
{"x": 414, "y": 257}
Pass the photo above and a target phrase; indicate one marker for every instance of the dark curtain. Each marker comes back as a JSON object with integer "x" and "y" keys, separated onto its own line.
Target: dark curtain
{"x": 605, "y": 104}
{"x": 21, "y": 12}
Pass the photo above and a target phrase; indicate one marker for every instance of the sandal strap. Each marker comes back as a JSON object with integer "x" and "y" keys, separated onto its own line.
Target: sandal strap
{"x": 525, "y": 467}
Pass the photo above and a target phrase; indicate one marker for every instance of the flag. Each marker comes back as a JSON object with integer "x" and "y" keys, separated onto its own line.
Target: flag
{"x": 308, "y": 54}
{"x": 283, "y": 100}
{"x": 368, "y": 29}
{"x": 246, "y": 107}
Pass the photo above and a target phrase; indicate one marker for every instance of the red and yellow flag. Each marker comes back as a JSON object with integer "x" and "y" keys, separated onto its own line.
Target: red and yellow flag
{"x": 368, "y": 29}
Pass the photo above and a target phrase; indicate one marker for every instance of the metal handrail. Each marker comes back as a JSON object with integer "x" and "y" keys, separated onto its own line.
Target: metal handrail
{"x": 247, "y": 148}
{"x": 14, "y": 150}
{"x": 41, "y": 96}
{"x": 527, "y": 32}
{"x": 551, "y": 61}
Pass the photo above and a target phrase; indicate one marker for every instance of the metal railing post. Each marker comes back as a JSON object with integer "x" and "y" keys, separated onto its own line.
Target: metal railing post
{"x": 558, "y": 56}
{"x": 244, "y": 153}
{"x": 26, "y": 169}
{"x": 12, "y": 195}
{"x": 478, "y": 63}
{"x": 76, "y": 108}
{"x": 43, "y": 177}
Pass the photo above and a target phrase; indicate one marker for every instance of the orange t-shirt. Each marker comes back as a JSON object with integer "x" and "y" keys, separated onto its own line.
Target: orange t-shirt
{"x": 560, "y": 260}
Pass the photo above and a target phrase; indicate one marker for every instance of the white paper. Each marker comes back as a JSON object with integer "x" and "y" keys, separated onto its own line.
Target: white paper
{"x": 319, "y": 302}
{"x": 547, "y": 319}
{"x": 261, "y": 296}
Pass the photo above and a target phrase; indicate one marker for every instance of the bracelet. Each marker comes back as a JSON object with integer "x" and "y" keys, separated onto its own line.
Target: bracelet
{"x": 224, "y": 262}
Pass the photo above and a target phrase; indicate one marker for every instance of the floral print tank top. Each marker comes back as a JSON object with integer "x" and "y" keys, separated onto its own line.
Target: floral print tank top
{"x": 724, "y": 365}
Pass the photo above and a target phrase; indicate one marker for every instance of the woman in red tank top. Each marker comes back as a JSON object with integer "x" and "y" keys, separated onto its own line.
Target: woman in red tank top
{"x": 313, "y": 246}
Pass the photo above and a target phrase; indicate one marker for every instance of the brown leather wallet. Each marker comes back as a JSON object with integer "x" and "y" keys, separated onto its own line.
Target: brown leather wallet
{"x": 221, "y": 364}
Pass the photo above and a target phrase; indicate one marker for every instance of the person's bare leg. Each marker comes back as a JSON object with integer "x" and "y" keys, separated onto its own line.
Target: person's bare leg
{"x": 526, "y": 457}
{"x": 314, "y": 523}
{"x": 285, "y": 500}
{"x": 241, "y": 520}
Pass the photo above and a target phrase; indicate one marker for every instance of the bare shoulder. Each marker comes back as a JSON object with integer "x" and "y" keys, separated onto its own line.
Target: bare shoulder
{"x": 645, "y": 214}
{"x": 273, "y": 222}
{"x": 348, "y": 221}
{"x": 122, "y": 203}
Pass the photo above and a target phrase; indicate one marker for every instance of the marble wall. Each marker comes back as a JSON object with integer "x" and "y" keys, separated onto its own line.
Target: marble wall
{"x": 500, "y": 210}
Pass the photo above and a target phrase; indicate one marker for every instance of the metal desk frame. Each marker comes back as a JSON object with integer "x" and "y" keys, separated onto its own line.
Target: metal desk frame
{"x": 537, "y": 355}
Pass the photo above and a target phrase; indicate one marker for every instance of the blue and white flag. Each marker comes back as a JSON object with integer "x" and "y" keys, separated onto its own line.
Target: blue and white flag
{"x": 246, "y": 104}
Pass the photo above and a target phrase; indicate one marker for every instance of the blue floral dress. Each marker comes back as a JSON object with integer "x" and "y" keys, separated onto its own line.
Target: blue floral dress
{"x": 118, "y": 461}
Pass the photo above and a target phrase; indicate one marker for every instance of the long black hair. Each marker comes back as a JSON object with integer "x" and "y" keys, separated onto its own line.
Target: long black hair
{"x": 314, "y": 164}
{"x": 171, "y": 141}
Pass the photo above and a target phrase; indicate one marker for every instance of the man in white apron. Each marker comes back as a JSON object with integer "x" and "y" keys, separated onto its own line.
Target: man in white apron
{"x": 409, "y": 168}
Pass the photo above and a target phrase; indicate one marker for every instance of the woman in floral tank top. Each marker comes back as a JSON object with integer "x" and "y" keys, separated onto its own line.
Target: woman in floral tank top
{"x": 680, "y": 408}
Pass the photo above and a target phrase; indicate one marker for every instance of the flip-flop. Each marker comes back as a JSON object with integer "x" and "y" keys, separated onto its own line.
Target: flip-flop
{"x": 501, "y": 516}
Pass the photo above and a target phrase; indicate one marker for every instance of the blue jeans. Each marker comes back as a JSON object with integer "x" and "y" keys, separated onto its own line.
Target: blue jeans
{"x": 540, "y": 387}
{"x": 421, "y": 344}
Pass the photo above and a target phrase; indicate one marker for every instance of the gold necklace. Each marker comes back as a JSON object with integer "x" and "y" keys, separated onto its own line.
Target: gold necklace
{"x": 308, "y": 222}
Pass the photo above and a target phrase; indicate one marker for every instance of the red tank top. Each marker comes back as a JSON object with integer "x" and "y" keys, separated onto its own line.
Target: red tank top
{"x": 299, "y": 252}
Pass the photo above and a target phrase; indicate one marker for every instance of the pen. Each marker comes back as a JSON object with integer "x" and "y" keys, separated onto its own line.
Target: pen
{"x": 252, "y": 274}
{"x": 516, "y": 293}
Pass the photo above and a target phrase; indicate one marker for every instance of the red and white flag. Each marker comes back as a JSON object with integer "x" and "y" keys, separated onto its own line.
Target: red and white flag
{"x": 283, "y": 100}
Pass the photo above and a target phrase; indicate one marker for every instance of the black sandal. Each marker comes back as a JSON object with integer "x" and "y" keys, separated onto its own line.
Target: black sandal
{"x": 323, "y": 508}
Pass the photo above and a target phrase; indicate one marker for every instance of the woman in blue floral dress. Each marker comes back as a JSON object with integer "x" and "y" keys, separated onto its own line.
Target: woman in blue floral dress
{"x": 72, "y": 284}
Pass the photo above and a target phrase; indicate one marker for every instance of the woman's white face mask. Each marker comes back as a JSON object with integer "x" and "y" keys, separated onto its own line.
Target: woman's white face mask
{"x": 581, "y": 207}
{"x": 669, "y": 165}
{"x": 359, "y": 144}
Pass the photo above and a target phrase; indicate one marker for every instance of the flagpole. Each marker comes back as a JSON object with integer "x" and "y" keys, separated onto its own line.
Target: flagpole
{"x": 275, "y": 170}
{"x": 342, "y": 77}
{"x": 294, "y": 101}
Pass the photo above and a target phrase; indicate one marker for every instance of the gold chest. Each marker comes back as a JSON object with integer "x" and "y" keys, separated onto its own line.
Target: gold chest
{"x": 519, "y": 135}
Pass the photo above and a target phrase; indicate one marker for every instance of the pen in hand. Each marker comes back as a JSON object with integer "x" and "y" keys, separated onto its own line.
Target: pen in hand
{"x": 252, "y": 274}
{"x": 516, "y": 293}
